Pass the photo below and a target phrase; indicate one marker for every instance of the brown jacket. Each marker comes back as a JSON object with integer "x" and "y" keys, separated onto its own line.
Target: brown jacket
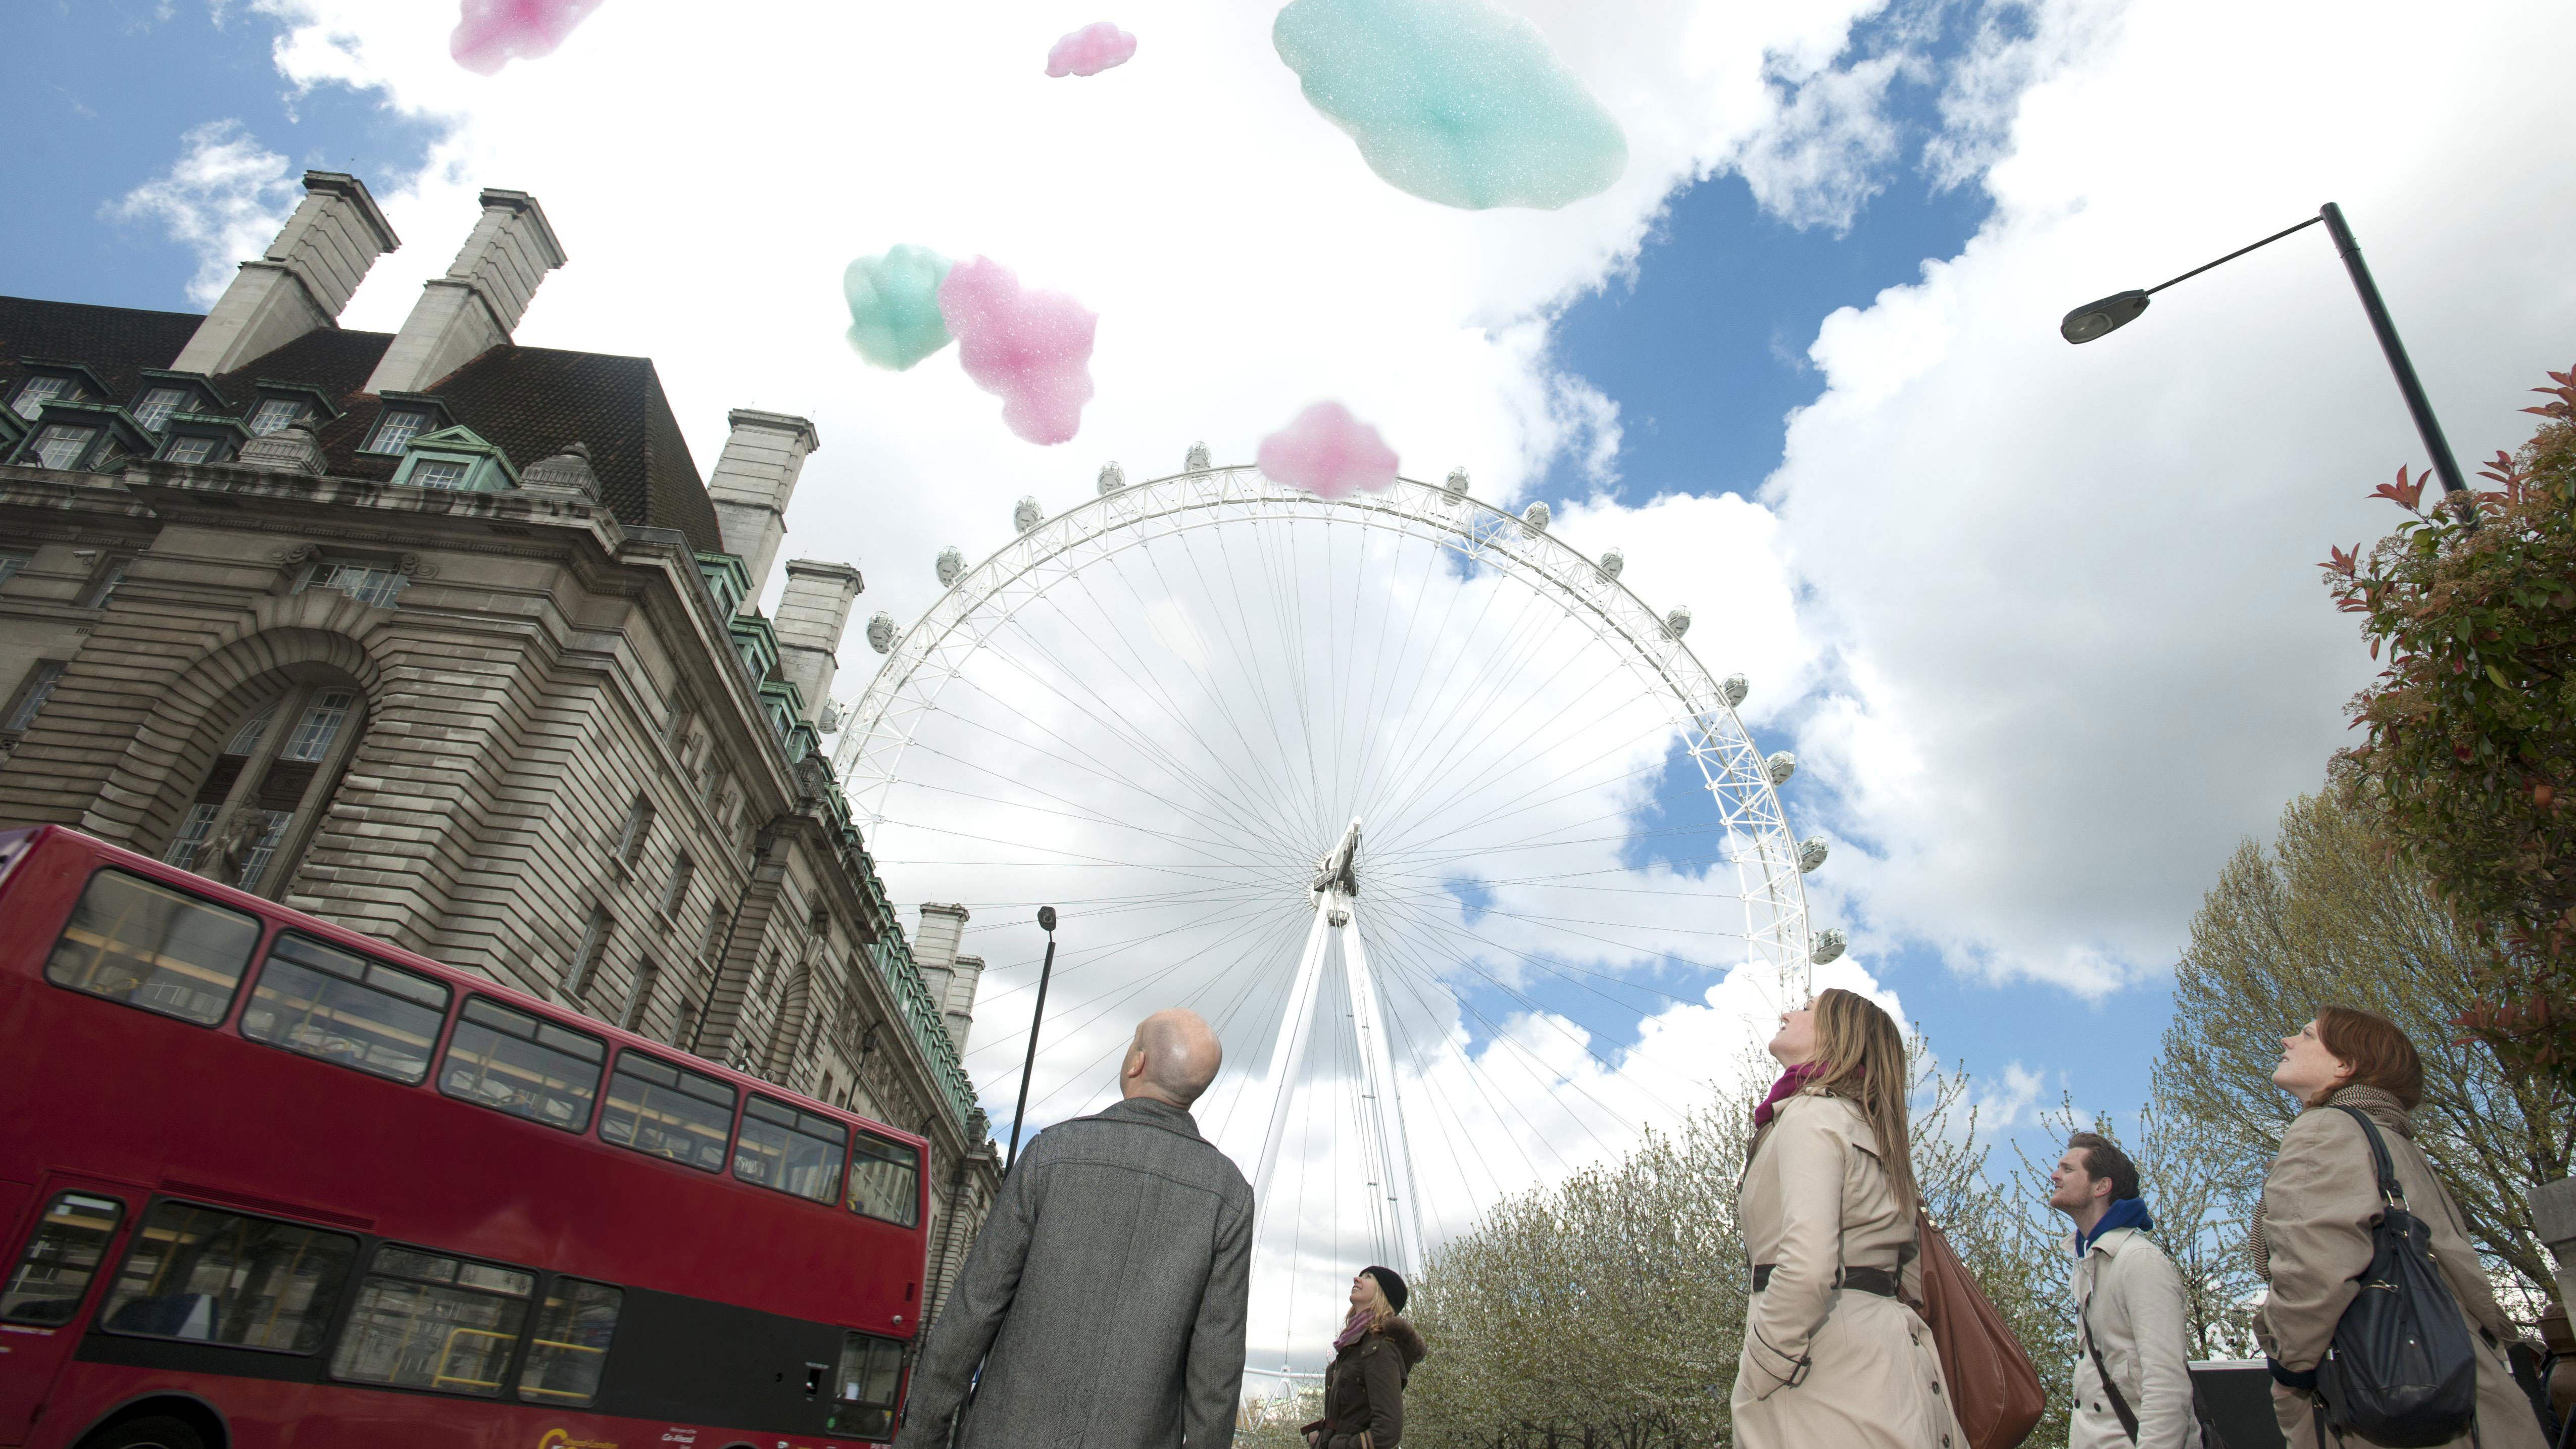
{"x": 2319, "y": 1202}
{"x": 1825, "y": 1367}
{"x": 1364, "y": 1389}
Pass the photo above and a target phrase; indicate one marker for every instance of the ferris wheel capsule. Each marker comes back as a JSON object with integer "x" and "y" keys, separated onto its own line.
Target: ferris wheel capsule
{"x": 1112, "y": 478}
{"x": 1026, "y": 514}
{"x": 1811, "y": 853}
{"x": 1733, "y": 690}
{"x": 1829, "y": 946}
{"x": 951, "y": 564}
{"x": 1780, "y": 766}
{"x": 1196, "y": 460}
{"x": 1612, "y": 561}
{"x": 1534, "y": 519}
{"x": 1457, "y": 483}
{"x": 881, "y": 632}
{"x": 1677, "y": 623}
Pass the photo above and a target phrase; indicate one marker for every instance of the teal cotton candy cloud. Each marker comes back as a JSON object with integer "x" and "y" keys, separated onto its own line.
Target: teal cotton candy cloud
{"x": 1456, "y": 101}
{"x": 894, "y": 306}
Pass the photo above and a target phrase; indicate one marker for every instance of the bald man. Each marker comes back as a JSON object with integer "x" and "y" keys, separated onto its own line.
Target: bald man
{"x": 1104, "y": 1298}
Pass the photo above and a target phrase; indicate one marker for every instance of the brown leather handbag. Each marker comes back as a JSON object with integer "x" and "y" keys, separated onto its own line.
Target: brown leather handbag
{"x": 1993, "y": 1387}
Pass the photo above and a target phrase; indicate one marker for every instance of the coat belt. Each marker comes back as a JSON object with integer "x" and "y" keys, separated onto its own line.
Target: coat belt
{"x": 1864, "y": 1280}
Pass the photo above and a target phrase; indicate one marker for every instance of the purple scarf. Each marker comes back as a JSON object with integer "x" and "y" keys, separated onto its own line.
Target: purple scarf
{"x": 1354, "y": 1330}
{"x": 1791, "y": 1083}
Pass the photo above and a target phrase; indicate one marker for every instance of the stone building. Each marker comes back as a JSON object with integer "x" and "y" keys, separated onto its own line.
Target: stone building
{"x": 444, "y": 638}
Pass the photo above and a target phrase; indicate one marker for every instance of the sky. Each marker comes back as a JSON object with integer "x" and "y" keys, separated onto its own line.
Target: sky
{"x": 2041, "y": 625}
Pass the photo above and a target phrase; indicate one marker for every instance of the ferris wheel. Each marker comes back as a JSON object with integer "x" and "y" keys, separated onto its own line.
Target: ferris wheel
{"x": 1427, "y": 813}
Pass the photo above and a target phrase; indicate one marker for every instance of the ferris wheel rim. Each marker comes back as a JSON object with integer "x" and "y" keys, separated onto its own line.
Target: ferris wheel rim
{"x": 1528, "y": 552}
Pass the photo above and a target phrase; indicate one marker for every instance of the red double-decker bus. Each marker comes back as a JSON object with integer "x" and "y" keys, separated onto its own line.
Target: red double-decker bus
{"x": 266, "y": 1181}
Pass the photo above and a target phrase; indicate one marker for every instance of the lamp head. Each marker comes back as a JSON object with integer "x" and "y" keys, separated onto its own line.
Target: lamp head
{"x": 1046, "y": 918}
{"x": 2097, "y": 319}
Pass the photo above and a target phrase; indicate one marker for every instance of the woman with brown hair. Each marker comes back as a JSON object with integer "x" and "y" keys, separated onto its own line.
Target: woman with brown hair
{"x": 2312, "y": 1236}
{"x": 1364, "y": 1384}
{"x": 1832, "y": 1354}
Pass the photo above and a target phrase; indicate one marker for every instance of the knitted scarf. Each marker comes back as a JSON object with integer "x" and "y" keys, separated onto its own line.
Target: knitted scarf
{"x": 1355, "y": 1330}
{"x": 1792, "y": 1082}
{"x": 2388, "y": 1110}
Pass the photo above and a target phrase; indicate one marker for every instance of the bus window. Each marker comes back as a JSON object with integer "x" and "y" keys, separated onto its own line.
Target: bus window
{"x": 218, "y": 1277}
{"x": 884, "y": 1181}
{"x": 570, "y": 1350}
{"x": 662, "y": 1111}
{"x": 62, "y": 1258}
{"x": 425, "y": 1321}
{"x": 789, "y": 1150}
{"x": 142, "y": 943}
{"x": 513, "y": 1062}
{"x": 863, "y": 1391}
{"x": 343, "y": 1008}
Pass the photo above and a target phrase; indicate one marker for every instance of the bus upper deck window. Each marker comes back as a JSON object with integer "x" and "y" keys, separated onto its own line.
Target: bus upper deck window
{"x": 61, "y": 1259}
{"x": 345, "y": 1008}
{"x": 790, "y": 1150}
{"x": 668, "y": 1112}
{"x": 885, "y": 1180}
{"x": 517, "y": 1063}
{"x": 142, "y": 943}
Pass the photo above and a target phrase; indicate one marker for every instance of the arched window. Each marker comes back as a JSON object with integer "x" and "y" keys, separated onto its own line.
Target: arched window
{"x": 254, "y": 814}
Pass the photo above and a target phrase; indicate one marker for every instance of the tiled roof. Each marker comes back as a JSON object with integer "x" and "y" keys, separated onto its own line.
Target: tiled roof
{"x": 531, "y": 402}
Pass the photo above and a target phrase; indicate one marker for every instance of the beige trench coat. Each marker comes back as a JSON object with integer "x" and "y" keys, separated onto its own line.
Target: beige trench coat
{"x": 2143, "y": 1330}
{"x": 2319, "y": 1203}
{"x": 1823, "y": 1365}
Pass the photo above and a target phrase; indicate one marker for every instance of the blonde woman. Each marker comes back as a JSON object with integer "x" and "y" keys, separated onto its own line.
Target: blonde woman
{"x": 1364, "y": 1385}
{"x": 1832, "y": 1354}
{"x": 2312, "y": 1238}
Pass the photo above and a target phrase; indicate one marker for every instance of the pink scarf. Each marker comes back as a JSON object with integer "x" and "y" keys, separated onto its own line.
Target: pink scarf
{"x": 1792, "y": 1082}
{"x": 1354, "y": 1330}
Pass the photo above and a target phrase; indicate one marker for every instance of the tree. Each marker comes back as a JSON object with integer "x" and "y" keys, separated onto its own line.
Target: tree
{"x": 2323, "y": 918}
{"x": 2471, "y": 728}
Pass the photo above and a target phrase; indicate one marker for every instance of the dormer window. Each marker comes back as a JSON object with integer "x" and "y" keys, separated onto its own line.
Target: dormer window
{"x": 60, "y": 445}
{"x": 455, "y": 460}
{"x": 275, "y": 415}
{"x": 193, "y": 448}
{"x": 157, "y": 406}
{"x": 439, "y": 473}
{"x": 36, "y": 391}
{"x": 396, "y": 429}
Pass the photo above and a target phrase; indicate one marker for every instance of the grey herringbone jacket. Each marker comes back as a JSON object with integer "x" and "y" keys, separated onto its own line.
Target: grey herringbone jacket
{"x": 1104, "y": 1297}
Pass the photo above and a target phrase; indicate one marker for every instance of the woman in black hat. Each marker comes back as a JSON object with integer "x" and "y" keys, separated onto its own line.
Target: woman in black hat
{"x": 1364, "y": 1387}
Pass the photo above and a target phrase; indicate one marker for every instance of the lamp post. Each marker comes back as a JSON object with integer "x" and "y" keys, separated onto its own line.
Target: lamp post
{"x": 1020, "y": 1114}
{"x": 2100, "y": 319}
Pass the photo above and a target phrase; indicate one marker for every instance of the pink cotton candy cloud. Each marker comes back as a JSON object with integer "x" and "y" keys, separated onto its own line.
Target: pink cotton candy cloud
{"x": 1328, "y": 453}
{"x": 1030, "y": 349}
{"x": 1091, "y": 50}
{"x": 491, "y": 33}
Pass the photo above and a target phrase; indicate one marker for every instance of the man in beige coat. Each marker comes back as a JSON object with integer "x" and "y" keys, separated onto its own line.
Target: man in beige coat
{"x": 2129, "y": 1302}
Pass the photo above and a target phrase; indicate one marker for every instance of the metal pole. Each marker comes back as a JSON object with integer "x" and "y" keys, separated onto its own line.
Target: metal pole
{"x": 1020, "y": 1114}
{"x": 2445, "y": 466}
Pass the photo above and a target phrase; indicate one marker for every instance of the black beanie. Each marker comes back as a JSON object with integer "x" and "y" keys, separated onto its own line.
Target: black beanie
{"x": 1390, "y": 1284}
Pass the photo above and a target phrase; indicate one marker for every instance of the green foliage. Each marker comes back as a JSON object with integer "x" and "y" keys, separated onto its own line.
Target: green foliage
{"x": 2471, "y": 727}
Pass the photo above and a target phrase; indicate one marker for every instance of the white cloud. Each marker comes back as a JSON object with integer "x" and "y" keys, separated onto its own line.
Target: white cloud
{"x": 224, "y": 198}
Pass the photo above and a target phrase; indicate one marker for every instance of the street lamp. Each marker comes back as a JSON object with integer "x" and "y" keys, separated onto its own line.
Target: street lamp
{"x": 2109, "y": 315}
{"x": 1020, "y": 1114}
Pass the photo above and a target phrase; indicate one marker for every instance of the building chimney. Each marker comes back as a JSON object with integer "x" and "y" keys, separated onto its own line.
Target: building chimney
{"x": 755, "y": 476}
{"x": 318, "y": 259}
{"x": 476, "y": 305}
{"x": 811, "y": 615}
{"x": 963, "y": 979}
{"x": 934, "y": 948}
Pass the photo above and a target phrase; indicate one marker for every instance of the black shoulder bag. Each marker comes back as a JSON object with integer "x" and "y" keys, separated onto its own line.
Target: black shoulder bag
{"x": 2209, "y": 1437}
{"x": 2401, "y": 1370}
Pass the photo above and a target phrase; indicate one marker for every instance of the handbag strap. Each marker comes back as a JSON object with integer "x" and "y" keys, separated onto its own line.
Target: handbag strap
{"x": 2119, "y": 1405}
{"x": 2389, "y": 1190}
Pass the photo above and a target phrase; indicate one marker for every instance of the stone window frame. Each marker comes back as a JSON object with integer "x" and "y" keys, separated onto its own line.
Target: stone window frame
{"x": 639, "y": 993}
{"x": 627, "y": 851}
{"x": 279, "y": 726}
{"x": 582, "y": 970}
{"x": 12, "y": 562}
{"x": 105, "y": 578}
{"x": 35, "y": 688}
